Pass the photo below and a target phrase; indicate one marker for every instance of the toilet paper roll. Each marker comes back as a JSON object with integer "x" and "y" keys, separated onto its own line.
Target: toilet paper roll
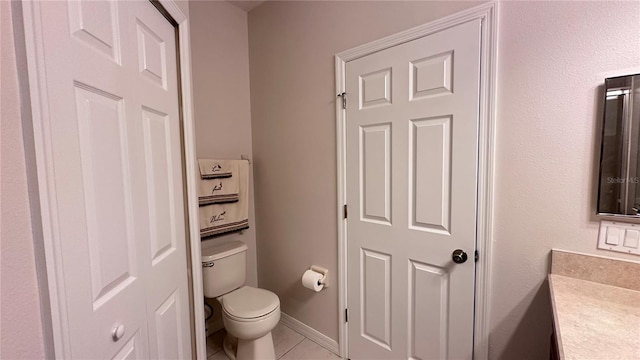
{"x": 311, "y": 280}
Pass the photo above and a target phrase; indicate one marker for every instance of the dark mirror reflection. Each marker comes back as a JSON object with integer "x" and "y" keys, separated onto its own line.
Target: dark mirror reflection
{"x": 619, "y": 189}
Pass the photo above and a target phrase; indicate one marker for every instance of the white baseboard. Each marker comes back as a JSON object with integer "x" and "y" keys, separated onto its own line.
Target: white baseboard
{"x": 310, "y": 333}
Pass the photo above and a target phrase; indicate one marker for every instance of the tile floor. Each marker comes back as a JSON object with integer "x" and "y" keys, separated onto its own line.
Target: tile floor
{"x": 289, "y": 345}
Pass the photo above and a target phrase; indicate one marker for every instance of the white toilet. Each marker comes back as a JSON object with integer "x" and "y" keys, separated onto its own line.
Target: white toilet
{"x": 249, "y": 314}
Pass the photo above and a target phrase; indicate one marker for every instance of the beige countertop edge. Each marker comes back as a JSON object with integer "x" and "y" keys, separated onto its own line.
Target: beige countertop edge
{"x": 555, "y": 318}
{"x": 585, "y": 313}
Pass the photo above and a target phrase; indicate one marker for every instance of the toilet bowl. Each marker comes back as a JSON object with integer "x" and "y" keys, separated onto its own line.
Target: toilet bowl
{"x": 249, "y": 314}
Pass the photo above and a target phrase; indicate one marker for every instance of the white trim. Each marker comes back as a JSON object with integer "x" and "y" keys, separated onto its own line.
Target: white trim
{"x": 486, "y": 169}
{"x": 343, "y": 327}
{"x": 310, "y": 333}
{"x": 487, "y": 13}
{"x": 44, "y": 166}
{"x": 192, "y": 175}
{"x": 174, "y": 10}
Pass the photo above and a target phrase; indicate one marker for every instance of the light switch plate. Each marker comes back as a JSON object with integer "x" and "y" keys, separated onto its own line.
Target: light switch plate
{"x": 620, "y": 237}
{"x": 613, "y": 236}
{"x": 631, "y": 239}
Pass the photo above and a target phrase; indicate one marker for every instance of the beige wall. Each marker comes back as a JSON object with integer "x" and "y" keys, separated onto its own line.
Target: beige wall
{"x": 553, "y": 56}
{"x": 292, "y": 44}
{"x": 220, "y": 69}
{"x": 21, "y": 330}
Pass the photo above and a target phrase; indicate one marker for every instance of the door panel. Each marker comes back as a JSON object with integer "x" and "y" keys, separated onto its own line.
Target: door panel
{"x": 168, "y": 328}
{"x": 375, "y": 296}
{"x": 131, "y": 350}
{"x": 429, "y": 174}
{"x": 375, "y": 89}
{"x": 151, "y": 55}
{"x": 428, "y": 310}
{"x": 431, "y": 76}
{"x": 160, "y": 191}
{"x": 95, "y": 24}
{"x": 103, "y": 148}
{"x": 411, "y": 149}
{"x": 115, "y": 143}
{"x": 375, "y": 149}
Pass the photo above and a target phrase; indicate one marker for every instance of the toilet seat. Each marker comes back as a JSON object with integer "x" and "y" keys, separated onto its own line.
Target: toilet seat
{"x": 248, "y": 303}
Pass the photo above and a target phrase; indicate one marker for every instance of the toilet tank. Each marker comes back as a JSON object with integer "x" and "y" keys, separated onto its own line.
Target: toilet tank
{"x": 223, "y": 267}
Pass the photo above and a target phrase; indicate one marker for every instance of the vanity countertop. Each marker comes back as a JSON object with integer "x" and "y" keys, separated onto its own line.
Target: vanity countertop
{"x": 593, "y": 320}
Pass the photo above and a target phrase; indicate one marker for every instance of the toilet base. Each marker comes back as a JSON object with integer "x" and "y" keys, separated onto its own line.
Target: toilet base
{"x": 230, "y": 346}
{"x": 239, "y": 349}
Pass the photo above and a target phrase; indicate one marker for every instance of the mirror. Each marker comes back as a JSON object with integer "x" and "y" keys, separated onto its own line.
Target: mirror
{"x": 619, "y": 188}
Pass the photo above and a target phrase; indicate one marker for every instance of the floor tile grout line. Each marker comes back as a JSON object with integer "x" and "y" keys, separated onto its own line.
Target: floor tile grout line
{"x": 294, "y": 346}
{"x": 285, "y": 353}
{"x": 212, "y": 355}
{"x": 210, "y": 338}
{"x": 324, "y": 347}
{"x": 304, "y": 337}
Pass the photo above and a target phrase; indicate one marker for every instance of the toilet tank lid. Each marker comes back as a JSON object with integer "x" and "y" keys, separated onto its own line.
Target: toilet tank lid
{"x": 212, "y": 252}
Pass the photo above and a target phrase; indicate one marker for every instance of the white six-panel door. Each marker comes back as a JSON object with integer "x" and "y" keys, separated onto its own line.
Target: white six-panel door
{"x": 411, "y": 183}
{"x": 115, "y": 148}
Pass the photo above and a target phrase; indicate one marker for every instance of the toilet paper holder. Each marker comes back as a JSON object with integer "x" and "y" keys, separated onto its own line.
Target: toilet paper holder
{"x": 324, "y": 271}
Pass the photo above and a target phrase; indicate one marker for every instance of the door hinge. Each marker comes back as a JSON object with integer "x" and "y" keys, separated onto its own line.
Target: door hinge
{"x": 476, "y": 256}
{"x": 344, "y": 211}
{"x": 343, "y": 95}
{"x": 346, "y": 315}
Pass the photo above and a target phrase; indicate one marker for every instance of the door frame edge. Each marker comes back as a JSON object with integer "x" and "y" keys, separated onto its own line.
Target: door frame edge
{"x": 34, "y": 48}
{"x": 192, "y": 174}
{"x": 40, "y": 117}
{"x": 487, "y": 13}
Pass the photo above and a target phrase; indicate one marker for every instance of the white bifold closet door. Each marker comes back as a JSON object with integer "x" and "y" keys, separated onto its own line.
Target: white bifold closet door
{"x": 411, "y": 174}
{"x": 114, "y": 152}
